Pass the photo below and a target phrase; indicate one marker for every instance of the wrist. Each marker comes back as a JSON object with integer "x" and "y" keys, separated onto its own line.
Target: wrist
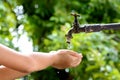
{"x": 53, "y": 58}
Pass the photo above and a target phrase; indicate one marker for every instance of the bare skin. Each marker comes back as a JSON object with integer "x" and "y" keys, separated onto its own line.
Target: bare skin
{"x": 16, "y": 64}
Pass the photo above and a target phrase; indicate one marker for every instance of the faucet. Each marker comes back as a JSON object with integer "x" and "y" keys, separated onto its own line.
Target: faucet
{"x": 76, "y": 28}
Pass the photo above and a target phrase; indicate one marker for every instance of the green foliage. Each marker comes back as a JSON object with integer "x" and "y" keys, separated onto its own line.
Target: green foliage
{"x": 47, "y": 21}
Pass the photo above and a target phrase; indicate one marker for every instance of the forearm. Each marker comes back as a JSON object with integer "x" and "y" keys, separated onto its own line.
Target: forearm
{"x": 10, "y": 74}
{"x": 24, "y": 62}
{"x": 14, "y": 60}
{"x": 42, "y": 60}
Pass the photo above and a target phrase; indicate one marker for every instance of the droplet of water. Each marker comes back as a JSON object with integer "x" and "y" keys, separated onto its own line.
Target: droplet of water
{"x": 67, "y": 69}
{"x": 58, "y": 72}
{"x": 69, "y": 46}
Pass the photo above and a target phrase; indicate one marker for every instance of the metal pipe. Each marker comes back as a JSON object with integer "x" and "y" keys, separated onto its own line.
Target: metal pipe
{"x": 89, "y": 28}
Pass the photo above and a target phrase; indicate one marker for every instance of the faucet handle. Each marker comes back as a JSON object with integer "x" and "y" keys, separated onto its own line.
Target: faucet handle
{"x": 75, "y": 14}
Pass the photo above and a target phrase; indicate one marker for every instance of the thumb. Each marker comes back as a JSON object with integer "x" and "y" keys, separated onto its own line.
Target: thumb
{"x": 81, "y": 56}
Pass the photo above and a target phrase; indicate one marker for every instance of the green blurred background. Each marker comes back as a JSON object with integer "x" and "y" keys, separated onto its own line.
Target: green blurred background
{"x": 43, "y": 24}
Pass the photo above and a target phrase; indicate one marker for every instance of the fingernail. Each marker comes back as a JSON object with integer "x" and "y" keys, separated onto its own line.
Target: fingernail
{"x": 81, "y": 55}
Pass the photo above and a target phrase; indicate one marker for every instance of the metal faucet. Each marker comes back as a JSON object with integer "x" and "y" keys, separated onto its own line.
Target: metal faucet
{"x": 76, "y": 28}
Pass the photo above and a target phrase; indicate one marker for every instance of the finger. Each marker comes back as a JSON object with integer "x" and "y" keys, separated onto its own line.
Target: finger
{"x": 76, "y": 62}
{"x": 69, "y": 52}
{"x": 80, "y": 60}
{"x": 80, "y": 55}
{"x": 74, "y": 53}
